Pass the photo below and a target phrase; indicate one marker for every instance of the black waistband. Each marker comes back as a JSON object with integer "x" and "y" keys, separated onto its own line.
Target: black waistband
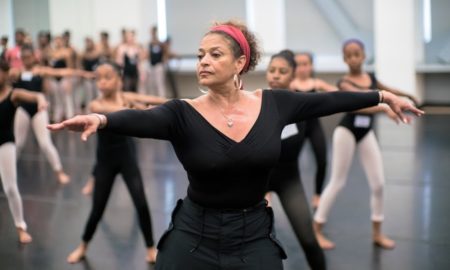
{"x": 261, "y": 205}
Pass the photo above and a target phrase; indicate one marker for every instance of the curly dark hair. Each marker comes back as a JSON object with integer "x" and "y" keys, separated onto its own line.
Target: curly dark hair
{"x": 255, "y": 53}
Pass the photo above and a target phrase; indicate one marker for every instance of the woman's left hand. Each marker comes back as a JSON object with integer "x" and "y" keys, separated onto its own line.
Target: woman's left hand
{"x": 400, "y": 106}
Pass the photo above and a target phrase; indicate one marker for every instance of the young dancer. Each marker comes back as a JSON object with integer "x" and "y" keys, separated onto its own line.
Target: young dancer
{"x": 116, "y": 154}
{"x": 285, "y": 178}
{"x": 355, "y": 132}
{"x": 31, "y": 77}
{"x": 9, "y": 100}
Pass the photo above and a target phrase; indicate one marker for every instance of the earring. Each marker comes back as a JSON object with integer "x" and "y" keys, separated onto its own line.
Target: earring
{"x": 238, "y": 82}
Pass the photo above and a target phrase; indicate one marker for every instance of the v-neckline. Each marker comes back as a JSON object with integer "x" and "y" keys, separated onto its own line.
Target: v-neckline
{"x": 223, "y": 134}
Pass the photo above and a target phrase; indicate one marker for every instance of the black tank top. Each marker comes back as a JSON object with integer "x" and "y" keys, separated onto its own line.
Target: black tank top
{"x": 156, "y": 54}
{"x": 33, "y": 83}
{"x": 7, "y": 112}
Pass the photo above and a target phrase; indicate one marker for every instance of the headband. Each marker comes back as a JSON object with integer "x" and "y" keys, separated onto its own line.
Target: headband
{"x": 239, "y": 37}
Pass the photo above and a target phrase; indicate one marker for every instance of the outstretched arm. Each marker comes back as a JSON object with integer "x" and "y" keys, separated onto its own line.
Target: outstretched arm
{"x": 295, "y": 107}
{"x": 157, "y": 123}
{"x": 62, "y": 72}
{"x": 324, "y": 86}
{"x": 147, "y": 99}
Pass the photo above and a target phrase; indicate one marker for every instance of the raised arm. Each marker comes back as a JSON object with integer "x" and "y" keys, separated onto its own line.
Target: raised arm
{"x": 295, "y": 107}
{"x": 157, "y": 123}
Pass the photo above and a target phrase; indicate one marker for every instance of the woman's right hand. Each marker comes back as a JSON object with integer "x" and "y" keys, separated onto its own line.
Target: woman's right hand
{"x": 87, "y": 124}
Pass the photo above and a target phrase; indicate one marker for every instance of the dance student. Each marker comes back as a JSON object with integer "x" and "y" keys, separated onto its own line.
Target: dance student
{"x": 44, "y": 49}
{"x": 355, "y": 132}
{"x": 285, "y": 178}
{"x": 9, "y": 100}
{"x": 305, "y": 82}
{"x": 12, "y": 55}
{"x": 104, "y": 49}
{"x": 116, "y": 154}
{"x": 128, "y": 56}
{"x": 228, "y": 140}
{"x": 31, "y": 77}
{"x": 90, "y": 59}
{"x": 157, "y": 57}
{"x": 62, "y": 104}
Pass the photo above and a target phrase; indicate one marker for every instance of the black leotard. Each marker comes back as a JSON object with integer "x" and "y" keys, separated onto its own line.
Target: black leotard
{"x": 359, "y": 124}
{"x": 32, "y": 83}
{"x": 90, "y": 64}
{"x": 130, "y": 66}
{"x": 59, "y": 63}
{"x": 7, "y": 112}
{"x": 222, "y": 172}
{"x": 156, "y": 53}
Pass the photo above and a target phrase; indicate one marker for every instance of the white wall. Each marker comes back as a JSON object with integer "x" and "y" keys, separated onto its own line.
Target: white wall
{"x": 188, "y": 21}
{"x": 90, "y": 17}
{"x": 395, "y": 43}
{"x": 6, "y": 20}
{"x": 31, "y": 15}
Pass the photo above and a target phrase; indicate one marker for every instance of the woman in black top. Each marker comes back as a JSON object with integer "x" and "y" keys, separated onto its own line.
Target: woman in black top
{"x": 355, "y": 132}
{"x": 9, "y": 100}
{"x": 227, "y": 140}
{"x": 285, "y": 178}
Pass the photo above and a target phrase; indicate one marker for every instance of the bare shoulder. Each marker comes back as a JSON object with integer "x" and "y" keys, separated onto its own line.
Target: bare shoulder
{"x": 198, "y": 101}
{"x": 95, "y": 106}
{"x": 256, "y": 93}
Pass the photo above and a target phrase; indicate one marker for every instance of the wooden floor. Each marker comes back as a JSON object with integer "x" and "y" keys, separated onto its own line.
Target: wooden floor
{"x": 417, "y": 205}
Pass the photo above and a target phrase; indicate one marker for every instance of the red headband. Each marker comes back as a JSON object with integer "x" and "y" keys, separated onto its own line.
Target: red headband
{"x": 239, "y": 37}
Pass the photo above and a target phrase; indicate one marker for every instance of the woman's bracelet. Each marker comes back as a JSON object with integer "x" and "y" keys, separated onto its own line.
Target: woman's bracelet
{"x": 381, "y": 96}
{"x": 102, "y": 119}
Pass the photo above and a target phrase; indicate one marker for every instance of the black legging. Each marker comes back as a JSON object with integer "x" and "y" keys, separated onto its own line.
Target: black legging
{"x": 286, "y": 182}
{"x": 314, "y": 132}
{"x": 123, "y": 162}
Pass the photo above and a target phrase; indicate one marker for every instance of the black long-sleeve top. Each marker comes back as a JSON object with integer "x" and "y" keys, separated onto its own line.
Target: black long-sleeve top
{"x": 223, "y": 173}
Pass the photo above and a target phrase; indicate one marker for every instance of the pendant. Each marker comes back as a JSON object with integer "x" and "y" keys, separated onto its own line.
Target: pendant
{"x": 230, "y": 123}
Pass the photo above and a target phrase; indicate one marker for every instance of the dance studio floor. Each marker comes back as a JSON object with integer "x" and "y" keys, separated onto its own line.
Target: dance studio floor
{"x": 417, "y": 206}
